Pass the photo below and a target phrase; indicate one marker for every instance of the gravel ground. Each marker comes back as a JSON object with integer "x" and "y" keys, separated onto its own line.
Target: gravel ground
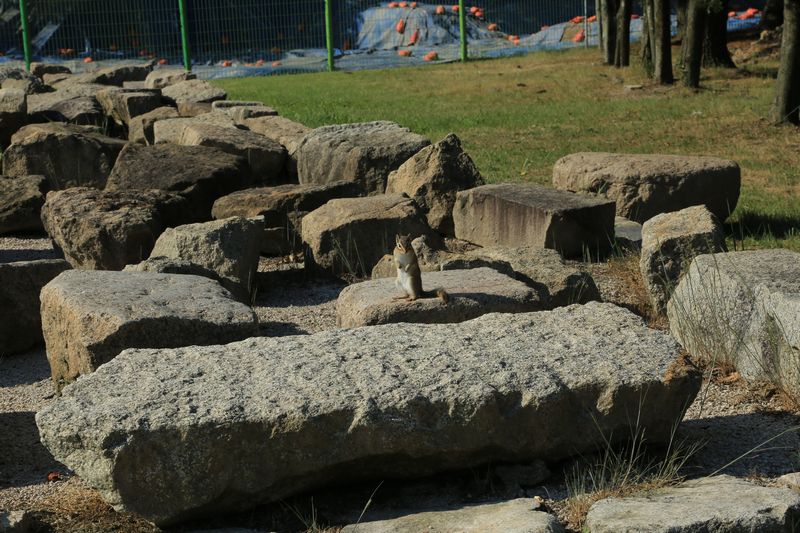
{"x": 730, "y": 418}
{"x": 14, "y": 249}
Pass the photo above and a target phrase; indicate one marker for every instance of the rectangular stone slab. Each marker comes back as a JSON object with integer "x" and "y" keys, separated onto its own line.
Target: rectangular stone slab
{"x": 471, "y": 293}
{"x": 514, "y": 214}
{"x": 173, "y": 434}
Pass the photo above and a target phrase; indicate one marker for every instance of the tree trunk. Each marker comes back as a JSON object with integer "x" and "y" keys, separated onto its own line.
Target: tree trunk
{"x": 683, "y": 16}
{"x": 715, "y": 44}
{"x": 609, "y": 10}
{"x": 598, "y": 12}
{"x": 773, "y": 15}
{"x": 648, "y": 38}
{"x": 693, "y": 43}
{"x": 787, "y": 95}
{"x": 622, "y": 57}
{"x": 662, "y": 44}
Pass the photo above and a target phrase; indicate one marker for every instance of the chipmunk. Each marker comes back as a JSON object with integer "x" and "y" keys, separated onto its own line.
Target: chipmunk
{"x": 409, "y": 275}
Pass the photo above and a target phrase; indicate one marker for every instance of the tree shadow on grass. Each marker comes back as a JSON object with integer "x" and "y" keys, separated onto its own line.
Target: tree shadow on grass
{"x": 761, "y": 226}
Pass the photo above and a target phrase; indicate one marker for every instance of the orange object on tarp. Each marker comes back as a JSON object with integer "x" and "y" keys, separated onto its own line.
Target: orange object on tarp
{"x": 731, "y": 14}
{"x": 260, "y": 63}
{"x": 752, "y": 11}
{"x": 227, "y": 63}
{"x": 492, "y": 27}
{"x": 579, "y": 37}
{"x": 431, "y": 56}
{"x": 393, "y": 5}
{"x": 403, "y": 4}
{"x": 414, "y": 38}
{"x": 479, "y": 14}
{"x": 276, "y": 64}
{"x": 746, "y": 16}
{"x": 413, "y": 5}
{"x": 593, "y": 18}
{"x": 634, "y": 17}
{"x": 474, "y": 9}
{"x": 404, "y": 53}
{"x": 440, "y": 10}
{"x": 401, "y": 26}
{"x": 162, "y": 61}
{"x": 87, "y": 59}
{"x": 455, "y": 9}
{"x": 576, "y": 20}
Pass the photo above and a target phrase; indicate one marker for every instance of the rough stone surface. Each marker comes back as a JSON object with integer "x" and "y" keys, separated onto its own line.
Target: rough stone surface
{"x": 171, "y": 265}
{"x": 21, "y": 201}
{"x": 171, "y": 131}
{"x": 115, "y": 75}
{"x": 13, "y": 113}
{"x": 67, "y": 155}
{"x": 124, "y": 104}
{"x": 241, "y": 111}
{"x": 161, "y": 78}
{"x": 193, "y": 91}
{"x": 644, "y": 186}
{"x": 742, "y": 308}
{"x": 265, "y": 157}
{"x": 39, "y": 69}
{"x": 75, "y": 104}
{"x": 20, "y": 283}
{"x": 140, "y": 128}
{"x": 106, "y": 230}
{"x": 365, "y": 153}
{"x": 627, "y": 234}
{"x": 17, "y": 78}
{"x": 472, "y": 293}
{"x": 90, "y": 317}
{"x": 280, "y": 129}
{"x": 229, "y": 247}
{"x": 515, "y": 516}
{"x": 565, "y": 284}
{"x": 511, "y": 214}
{"x": 721, "y": 504}
{"x": 198, "y": 173}
{"x": 350, "y": 235}
{"x": 283, "y": 208}
{"x": 669, "y": 243}
{"x": 399, "y": 400}
{"x": 433, "y": 176}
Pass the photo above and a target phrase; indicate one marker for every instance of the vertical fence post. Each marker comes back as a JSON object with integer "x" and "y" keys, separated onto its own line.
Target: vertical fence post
{"x": 329, "y": 34}
{"x": 26, "y": 40}
{"x": 187, "y": 58}
{"x": 462, "y": 28}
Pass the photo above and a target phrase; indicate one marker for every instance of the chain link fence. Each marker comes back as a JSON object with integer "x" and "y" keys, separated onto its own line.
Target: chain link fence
{"x": 230, "y": 38}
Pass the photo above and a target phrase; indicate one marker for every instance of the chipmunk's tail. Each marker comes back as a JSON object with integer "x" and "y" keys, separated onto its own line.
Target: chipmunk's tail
{"x": 439, "y": 293}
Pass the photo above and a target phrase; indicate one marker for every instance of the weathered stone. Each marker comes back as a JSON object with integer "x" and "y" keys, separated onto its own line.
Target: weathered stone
{"x": 21, "y": 201}
{"x": 20, "y": 283}
{"x": 106, "y": 230}
{"x": 124, "y": 104}
{"x": 193, "y": 91}
{"x": 115, "y": 75}
{"x": 512, "y": 214}
{"x": 280, "y": 129}
{"x": 90, "y": 317}
{"x": 17, "y": 78}
{"x": 161, "y": 78}
{"x": 265, "y": 157}
{"x": 566, "y": 284}
{"x": 471, "y": 293}
{"x": 627, "y": 234}
{"x": 743, "y": 309}
{"x": 67, "y": 155}
{"x": 140, "y": 128}
{"x": 791, "y": 480}
{"x": 350, "y": 235}
{"x": 171, "y": 131}
{"x": 722, "y": 504}
{"x": 644, "y": 186}
{"x": 399, "y": 400}
{"x": 241, "y": 111}
{"x": 433, "y": 176}
{"x": 13, "y": 113}
{"x": 16, "y": 522}
{"x": 283, "y": 208}
{"x": 55, "y": 79}
{"x": 40, "y": 69}
{"x": 198, "y": 173}
{"x": 515, "y": 516}
{"x": 171, "y": 265}
{"x": 669, "y": 243}
{"x": 75, "y": 104}
{"x": 365, "y": 153}
{"x": 229, "y": 247}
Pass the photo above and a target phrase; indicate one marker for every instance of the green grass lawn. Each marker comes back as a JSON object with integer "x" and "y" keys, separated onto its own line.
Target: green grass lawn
{"x": 517, "y": 116}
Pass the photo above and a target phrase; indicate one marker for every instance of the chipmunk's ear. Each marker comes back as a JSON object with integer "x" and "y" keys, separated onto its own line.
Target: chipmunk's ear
{"x": 397, "y": 239}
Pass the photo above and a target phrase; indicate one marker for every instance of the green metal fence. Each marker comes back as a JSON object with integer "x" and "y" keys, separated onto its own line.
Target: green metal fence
{"x": 221, "y": 38}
